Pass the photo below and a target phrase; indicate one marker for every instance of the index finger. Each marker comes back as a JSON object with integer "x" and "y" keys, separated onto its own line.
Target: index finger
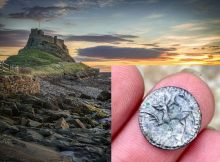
{"x": 127, "y": 93}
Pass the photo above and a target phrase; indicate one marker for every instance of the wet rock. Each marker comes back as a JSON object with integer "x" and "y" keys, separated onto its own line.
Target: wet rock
{"x": 14, "y": 150}
{"x": 23, "y": 121}
{"x": 6, "y": 111}
{"x": 5, "y": 127}
{"x": 7, "y": 120}
{"x": 61, "y": 123}
{"x": 79, "y": 124}
{"x": 85, "y": 96}
{"x": 55, "y": 115}
{"x": 25, "y": 107}
{"x": 104, "y": 95}
{"x": 106, "y": 123}
{"x": 30, "y": 135}
{"x": 46, "y": 132}
{"x": 33, "y": 123}
{"x": 14, "y": 111}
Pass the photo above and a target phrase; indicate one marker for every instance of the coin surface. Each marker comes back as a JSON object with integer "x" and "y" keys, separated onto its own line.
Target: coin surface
{"x": 170, "y": 118}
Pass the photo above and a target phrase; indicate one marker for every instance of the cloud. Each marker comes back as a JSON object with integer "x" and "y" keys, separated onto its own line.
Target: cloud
{"x": 197, "y": 25}
{"x": 103, "y": 3}
{"x": 175, "y": 45}
{"x": 13, "y": 38}
{"x": 165, "y": 49}
{"x": 101, "y": 38}
{"x": 3, "y": 3}
{"x": 152, "y": 1}
{"x": 99, "y": 3}
{"x": 42, "y": 13}
{"x": 178, "y": 37}
{"x": 1, "y": 26}
{"x": 189, "y": 26}
{"x": 210, "y": 38}
{"x": 126, "y": 36}
{"x": 112, "y": 52}
{"x": 150, "y": 44}
{"x": 154, "y": 16}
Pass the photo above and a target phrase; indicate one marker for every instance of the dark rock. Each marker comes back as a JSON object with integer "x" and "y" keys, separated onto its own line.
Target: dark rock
{"x": 55, "y": 115}
{"x": 46, "y": 132}
{"x": 7, "y": 120}
{"x": 84, "y": 96}
{"x": 25, "y": 107}
{"x": 6, "y": 111}
{"x": 104, "y": 95}
{"x": 30, "y": 135}
{"x": 24, "y": 121}
{"x": 5, "y": 127}
{"x": 14, "y": 109}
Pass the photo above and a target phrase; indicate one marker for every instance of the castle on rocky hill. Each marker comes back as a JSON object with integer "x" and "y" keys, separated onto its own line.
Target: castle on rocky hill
{"x": 38, "y": 40}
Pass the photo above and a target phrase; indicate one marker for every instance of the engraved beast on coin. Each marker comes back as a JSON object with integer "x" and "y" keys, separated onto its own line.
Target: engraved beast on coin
{"x": 170, "y": 117}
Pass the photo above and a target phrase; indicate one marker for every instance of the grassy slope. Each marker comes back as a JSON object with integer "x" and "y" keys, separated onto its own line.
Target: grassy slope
{"x": 43, "y": 63}
{"x": 32, "y": 58}
{"x": 58, "y": 69}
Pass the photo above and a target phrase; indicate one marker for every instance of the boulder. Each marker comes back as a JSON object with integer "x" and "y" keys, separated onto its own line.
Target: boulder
{"x": 14, "y": 150}
{"x": 6, "y": 111}
{"x": 33, "y": 123}
{"x": 23, "y": 121}
{"x": 61, "y": 123}
{"x": 55, "y": 115}
{"x": 79, "y": 124}
{"x": 7, "y": 127}
{"x": 45, "y": 132}
{"x": 30, "y": 135}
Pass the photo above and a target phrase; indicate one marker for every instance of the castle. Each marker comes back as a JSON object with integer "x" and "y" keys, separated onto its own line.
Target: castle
{"x": 38, "y": 40}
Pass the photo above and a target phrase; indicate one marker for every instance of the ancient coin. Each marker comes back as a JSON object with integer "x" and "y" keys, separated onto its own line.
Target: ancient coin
{"x": 170, "y": 117}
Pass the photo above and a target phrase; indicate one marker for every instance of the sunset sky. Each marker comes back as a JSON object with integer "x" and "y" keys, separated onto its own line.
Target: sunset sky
{"x": 106, "y": 32}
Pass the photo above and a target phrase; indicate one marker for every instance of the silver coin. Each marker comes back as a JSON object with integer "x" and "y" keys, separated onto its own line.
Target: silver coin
{"x": 170, "y": 118}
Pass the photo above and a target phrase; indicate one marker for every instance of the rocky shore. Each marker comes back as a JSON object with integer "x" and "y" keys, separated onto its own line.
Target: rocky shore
{"x": 69, "y": 120}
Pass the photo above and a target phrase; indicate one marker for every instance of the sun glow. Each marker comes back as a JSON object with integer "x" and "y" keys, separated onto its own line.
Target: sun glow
{"x": 182, "y": 59}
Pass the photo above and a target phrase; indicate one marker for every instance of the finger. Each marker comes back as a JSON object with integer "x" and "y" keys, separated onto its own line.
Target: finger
{"x": 205, "y": 148}
{"x": 127, "y": 93}
{"x": 131, "y": 145}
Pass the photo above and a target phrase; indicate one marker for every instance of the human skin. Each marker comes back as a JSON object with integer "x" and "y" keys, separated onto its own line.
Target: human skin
{"x": 128, "y": 143}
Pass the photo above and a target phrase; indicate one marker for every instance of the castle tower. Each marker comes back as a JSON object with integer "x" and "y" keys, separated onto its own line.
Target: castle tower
{"x": 34, "y": 31}
{"x": 47, "y": 43}
{"x": 40, "y": 32}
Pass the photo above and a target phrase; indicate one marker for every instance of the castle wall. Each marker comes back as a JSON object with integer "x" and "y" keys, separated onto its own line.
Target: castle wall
{"x": 47, "y": 39}
{"x": 60, "y": 43}
{"x": 39, "y": 36}
{"x": 47, "y": 43}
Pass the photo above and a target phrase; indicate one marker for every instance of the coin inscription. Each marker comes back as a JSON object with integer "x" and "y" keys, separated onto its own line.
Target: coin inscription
{"x": 170, "y": 118}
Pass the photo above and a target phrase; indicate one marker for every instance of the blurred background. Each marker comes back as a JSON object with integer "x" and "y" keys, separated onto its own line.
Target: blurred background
{"x": 210, "y": 74}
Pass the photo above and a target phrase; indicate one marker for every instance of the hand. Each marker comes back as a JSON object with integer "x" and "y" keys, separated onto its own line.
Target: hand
{"x": 128, "y": 143}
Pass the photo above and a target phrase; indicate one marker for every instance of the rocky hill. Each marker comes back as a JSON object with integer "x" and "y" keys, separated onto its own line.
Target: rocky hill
{"x": 46, "y": 43}
{"x": 45, "y": 54}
